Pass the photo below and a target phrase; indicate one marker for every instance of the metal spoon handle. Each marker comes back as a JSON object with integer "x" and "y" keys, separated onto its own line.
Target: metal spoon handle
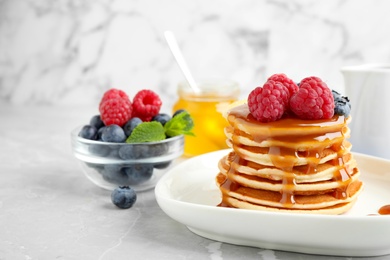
{"x": 172, "y": 43}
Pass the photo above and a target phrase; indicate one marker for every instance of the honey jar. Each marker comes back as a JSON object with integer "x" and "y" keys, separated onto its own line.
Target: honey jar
{"x": 206, "y": 107}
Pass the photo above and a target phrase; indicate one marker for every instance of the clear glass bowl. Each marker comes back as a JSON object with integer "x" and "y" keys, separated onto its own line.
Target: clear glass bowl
{"x": 138, "y": 165}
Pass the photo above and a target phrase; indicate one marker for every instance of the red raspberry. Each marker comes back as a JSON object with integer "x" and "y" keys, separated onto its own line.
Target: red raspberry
{"x": 270, "y": 102}
{"x": 115, "y": 111}
{"x": 287, "y": 82}
{"x": 113, "y": 93}
{"x": 115, "y": 107}
{"x": 314, "y": 100}
{"x": 146, "y": 104}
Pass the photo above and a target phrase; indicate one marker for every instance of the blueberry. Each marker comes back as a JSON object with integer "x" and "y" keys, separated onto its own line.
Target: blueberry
{"x": 178, "y": 112}
{"x": 99, "y": 133}
{"x": 96, "y": 121}
{"x": 158, "y": 149}
{"x": 123, "y": 197}
{"x": 88, "y": 132}
{"x": 162, "y": 118}
{"x": 133, "y": 152}
{"x": 138, "y": 173}
{"x": 113, "y": 134}
{"x": 99, "y": 150}
{"x": 98, "y": 167}
{"x": 114, "y": 152}
{"x": 162, "y": 165}
{"x": 341, "y": 104}
{"x": 130, "y": 125}
{"x": 115, "y": 174}
{"x": 126, "y": 152}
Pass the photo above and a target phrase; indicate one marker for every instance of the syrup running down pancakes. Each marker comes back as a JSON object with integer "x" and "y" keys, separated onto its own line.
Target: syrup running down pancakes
{"x": 290, "y": 165}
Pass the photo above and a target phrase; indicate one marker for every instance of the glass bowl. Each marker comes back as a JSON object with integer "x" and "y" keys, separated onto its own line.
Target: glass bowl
{"x": 138, "y": 165}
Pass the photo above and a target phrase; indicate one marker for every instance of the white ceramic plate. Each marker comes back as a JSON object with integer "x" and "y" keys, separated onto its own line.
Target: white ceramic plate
{"x": 188, "y": 194}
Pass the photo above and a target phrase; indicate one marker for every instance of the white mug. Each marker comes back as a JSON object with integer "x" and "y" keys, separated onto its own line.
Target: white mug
{"x": 368, "y": 89}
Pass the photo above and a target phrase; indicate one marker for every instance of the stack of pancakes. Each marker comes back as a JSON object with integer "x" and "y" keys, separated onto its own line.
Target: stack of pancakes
{"x": 291, "y": 165}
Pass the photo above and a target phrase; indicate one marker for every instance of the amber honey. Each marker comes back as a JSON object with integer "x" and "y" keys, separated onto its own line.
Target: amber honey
{"x": 206, "y": 109}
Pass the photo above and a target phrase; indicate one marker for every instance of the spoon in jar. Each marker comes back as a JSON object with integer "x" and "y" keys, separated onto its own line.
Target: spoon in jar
{"x": 174, "y": 47}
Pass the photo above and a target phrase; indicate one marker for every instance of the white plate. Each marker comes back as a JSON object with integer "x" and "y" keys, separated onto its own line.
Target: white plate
{"x": 188, "y": 194}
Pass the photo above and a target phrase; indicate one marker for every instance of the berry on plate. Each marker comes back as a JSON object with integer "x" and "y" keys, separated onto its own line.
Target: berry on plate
{"x": 313, "y": 100}
{"x": 287, "y": 82}
{"x": 268, "y": 103}
{"x": 342, "y": 106}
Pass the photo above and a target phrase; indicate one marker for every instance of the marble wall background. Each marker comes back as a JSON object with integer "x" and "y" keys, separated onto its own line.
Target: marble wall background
{"x": 67, "y": 52}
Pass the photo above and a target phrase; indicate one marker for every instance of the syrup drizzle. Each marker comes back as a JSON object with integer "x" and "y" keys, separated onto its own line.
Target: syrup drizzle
{"x": 384, "y": 210}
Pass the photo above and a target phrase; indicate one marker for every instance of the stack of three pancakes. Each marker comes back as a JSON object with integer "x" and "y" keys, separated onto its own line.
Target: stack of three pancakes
{"x": 289, "y": 165}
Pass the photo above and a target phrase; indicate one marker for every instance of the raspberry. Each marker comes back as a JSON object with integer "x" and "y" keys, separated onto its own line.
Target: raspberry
{"x": 287, "y": 82}
{"x": 314, "y": 100}
{"x": 113, "y": 93}
{"x": 270, "y": 102}
{"x": 115, "y": 111}
{"x": 146, "y": 104}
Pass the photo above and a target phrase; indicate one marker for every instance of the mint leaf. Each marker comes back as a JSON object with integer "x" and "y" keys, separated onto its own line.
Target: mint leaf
{"x": 181, "y": 124}
{"x": 147, "y": 132}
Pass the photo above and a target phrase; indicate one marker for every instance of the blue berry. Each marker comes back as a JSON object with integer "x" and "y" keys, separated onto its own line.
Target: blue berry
{"x": 158, "y": 149}
{"x": 99, "y": 150}
{"x": 133, "y": 151}
{"x": 162, "y": 165}
{"x": 131, "y": 124}
{"x": 88, "y": 132}
{"x": 99, "y": 133}
{"x": 178, "y": 112}
{"x": 98, "y": 167}
{"x": 138, "y": 173}
{"x": 162, "y": 118}
{"x": 342, "y": 106}
{"x": 114, "y": 174}
{"x": 123, "y": 197}
{"x": 113, "y": 134}
{"x": 96, "y": 121}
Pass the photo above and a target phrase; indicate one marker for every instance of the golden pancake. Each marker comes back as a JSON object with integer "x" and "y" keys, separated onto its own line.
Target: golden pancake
{"x": 291, "y": 165}
{"x": 242, "y": 138}
{"x": 282, "y": 157}
{"x": 302, "y": 174}
{"x": 332, "y": 210}
{"x": 288, "y": 200}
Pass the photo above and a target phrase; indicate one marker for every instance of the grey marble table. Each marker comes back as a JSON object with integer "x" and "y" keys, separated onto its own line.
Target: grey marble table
{"x": 49, "y": 210}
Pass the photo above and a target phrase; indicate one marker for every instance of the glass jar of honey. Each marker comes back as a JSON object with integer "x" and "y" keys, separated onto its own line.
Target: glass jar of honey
{"x": 206, "y": 107}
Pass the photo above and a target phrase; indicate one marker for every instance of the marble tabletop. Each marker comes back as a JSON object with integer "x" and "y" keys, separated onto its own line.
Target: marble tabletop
{"x": 49, "y": 210}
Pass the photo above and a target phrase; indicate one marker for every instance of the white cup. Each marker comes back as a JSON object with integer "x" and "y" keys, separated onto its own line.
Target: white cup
{"x": 368, "y": 88}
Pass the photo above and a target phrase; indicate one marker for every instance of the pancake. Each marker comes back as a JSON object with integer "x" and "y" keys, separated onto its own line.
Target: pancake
{"x": 302, "y": 174}
{"x": 250, "y": 198}
{"x": 292, "y": 165}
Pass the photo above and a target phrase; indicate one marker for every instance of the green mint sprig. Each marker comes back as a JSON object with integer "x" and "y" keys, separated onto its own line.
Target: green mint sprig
{"x": 147, "y": 132}
{"x": 181, "y": 124}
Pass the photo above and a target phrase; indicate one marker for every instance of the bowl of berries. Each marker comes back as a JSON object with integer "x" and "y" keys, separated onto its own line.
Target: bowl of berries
{"x": 130, "y": 143}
